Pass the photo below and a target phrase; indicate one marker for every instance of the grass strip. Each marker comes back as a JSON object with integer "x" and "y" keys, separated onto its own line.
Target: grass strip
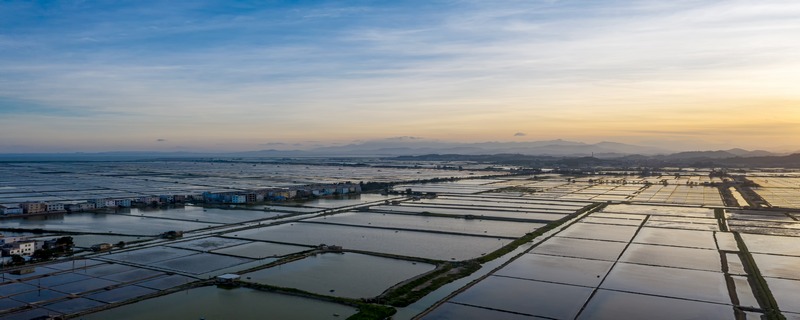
{"x": 366, "y": 311}
{"x": 720, "y": 215}
{"x": 420, "y": 287}
{"x": 764, "y": 294}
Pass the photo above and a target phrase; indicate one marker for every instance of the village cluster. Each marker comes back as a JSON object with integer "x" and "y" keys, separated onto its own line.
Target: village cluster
{"x": 234, "y": 197}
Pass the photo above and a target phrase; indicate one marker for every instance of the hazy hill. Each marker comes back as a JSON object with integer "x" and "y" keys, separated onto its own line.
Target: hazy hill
{"x": 528, "y": 153}
{"x": 417, "y": 146}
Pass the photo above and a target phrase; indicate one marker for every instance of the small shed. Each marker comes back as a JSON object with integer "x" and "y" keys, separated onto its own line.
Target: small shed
{"x": 228, "y": 278}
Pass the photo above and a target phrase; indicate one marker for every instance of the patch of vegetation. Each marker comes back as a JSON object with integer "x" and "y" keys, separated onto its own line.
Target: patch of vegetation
{"x": 418, "y": 288}
{"x": 513, "y": 189}
{"x": 720, "y": 215}
{"x": 533, "y": 235}
{"x": 366, "y": 311}
{"x": 53, "y": 248}
{"x": 373, "y": 312}
{"x": 450, "y": 271}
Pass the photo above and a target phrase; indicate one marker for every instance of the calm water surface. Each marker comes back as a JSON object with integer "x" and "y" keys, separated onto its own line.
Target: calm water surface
{"x": 212, "y": 303}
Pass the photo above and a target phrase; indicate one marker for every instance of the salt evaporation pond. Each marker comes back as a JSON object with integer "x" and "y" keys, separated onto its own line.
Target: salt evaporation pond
{"x": 499, "y": 204}
{"x": 599, "y": 232}
{"x": 348, "y": 275}
{"x": 535, "y": 216}
{"x": 459, "y": 311}
{"x": 102, "y": 222}
{"x": 405, "y": 243}
{"x": 660, "y": 210}
{"x": 678, "y": 238}
{"x": 260, "y": 250}
{"x": 669, "y": 282}
{"x": 418, "y": 222}
{"x": 212, "y": 215}
{"x": 612, "y": 305}
{"x": 678, "y": 257}
{"x": 536, "y": 298}
{"x": 574, "y": 271}
{"x": 216, "y": 303}
{"x": 581, "y": 248}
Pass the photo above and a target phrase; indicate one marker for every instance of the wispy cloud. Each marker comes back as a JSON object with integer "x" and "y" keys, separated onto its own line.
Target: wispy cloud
{"x": 447, "y": 70}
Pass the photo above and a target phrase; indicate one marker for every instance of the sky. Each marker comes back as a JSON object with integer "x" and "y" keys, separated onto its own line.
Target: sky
{"x": 94, "y": 76}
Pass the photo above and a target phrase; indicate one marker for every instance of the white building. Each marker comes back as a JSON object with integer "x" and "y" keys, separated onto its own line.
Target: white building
{"x": 80, "y": 206}
{"x": 10, "y": 210}
{"x": 104, "y": 203}
{"x": 55, "y": 207}
{"x": 22, "y": 248}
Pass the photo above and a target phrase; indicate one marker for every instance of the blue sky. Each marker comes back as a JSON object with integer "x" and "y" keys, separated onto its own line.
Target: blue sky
{"x": 226, "y": 75}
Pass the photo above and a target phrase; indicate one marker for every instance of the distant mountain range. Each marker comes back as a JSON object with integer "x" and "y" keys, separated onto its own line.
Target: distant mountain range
{"x": 389, "y": 148}
{"x": 694, "y": 159}
{"x": 409, "y": 146}
{"x": 560, "y": 148}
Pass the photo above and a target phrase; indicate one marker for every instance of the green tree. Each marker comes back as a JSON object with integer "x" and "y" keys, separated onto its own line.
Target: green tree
{"x": 65, "y": 241}
{"x": 17, "y": 259}
{"x": 42, "y": 255}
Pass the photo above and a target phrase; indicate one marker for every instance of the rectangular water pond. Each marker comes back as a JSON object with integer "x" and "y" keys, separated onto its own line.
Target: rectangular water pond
{"x": 678, "y": 238}
{"x": 789, "y": 246}
{"x": 405, "y": 243}
{"x": 599, "y": 232}
{"x": 85, "y": 286}
{"x": 105, "y": 269}
{"x": 581, "y": 272}
{"x": 603, "y": 220}
{"x": 581, "y": 248}
{"x": 614, "y": 305}
{"x": 778, "y": 266}
{"x": 100, "y": 222}
{"x": 208, "y": 244}
{"x": 201, "y": 263}
{"x": 494, "y": 203}
{"x": 37, "y": 296}
{"x": 206, "y": 215}
{"x": 133, "y": 275}
{"x": 533, "y": 216}
{"x": 120, "y": 294}
{"x": 670, "y": 282}
{"x": 786, "y": 292}
{"x": 418, "y": 222}
{"x": 55, "y": 279}
{"x": 660, "y": 210}
{"x": 260, "y": 250}
{"x": 70, "y": 306}
{"x": 678, "y": 257}
{"x": 215, "y": 303}
{"x": 7, "y": 304}
{"x": 348, "y": 275}
{"x": 149, "y": 255}
{"x": 452, "y": 310}
{"x": 526, "y": 296}
{"x": 166, "y": 282}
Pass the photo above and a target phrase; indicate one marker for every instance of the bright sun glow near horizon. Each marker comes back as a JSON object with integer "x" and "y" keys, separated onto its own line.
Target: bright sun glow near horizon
{"x": 224, "y": 76}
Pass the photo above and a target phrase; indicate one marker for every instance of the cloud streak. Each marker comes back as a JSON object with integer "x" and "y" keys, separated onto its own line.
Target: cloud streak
{"x": 445, "y": 70}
